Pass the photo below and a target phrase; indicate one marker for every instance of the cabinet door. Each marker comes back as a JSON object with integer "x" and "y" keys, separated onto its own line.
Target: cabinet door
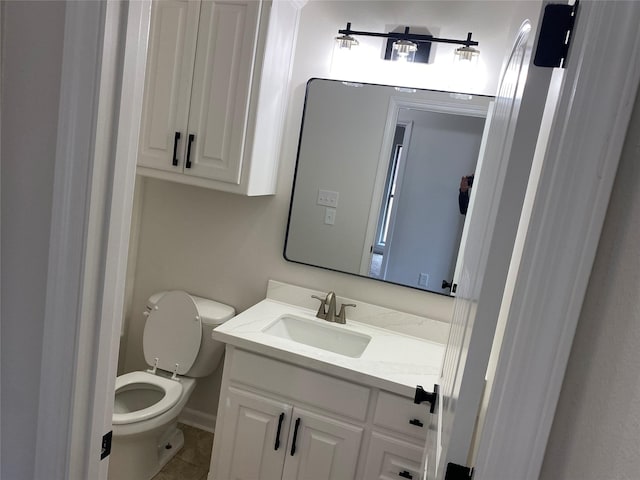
{"x": 324, "y": 448}
{"x": 392, "y": 459}
{"x": 251, "y": 449}
{"x": 165, "y": 109}
{"x": 227, "y": 40}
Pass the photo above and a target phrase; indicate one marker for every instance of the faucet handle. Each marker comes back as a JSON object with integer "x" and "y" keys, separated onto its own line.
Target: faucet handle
{"x": 322, "y": 313}
{"x": 342, "y": 316}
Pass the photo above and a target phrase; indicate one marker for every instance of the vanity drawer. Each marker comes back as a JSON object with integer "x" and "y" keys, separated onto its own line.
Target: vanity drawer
{"x": 402, "y": 415}
{"x": 392, "y": 458}
{"x": 304, "y": 386}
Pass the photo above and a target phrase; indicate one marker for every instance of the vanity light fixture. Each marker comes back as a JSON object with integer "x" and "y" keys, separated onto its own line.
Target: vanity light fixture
{"x": 406, "y": 43}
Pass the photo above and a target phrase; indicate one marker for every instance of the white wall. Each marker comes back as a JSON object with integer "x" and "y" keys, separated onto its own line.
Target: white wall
{"x": 596, "y": 429}
{"x": 226, "y": 247}
{"x": 32, "y": 35}
{"x": 428, "y": 225}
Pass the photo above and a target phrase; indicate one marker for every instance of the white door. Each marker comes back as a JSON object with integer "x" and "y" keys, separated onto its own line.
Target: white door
{"x": 227, "y": 38}
{"x": 465, "y": 227}
{"x": 494, "y": 212}
{"x": 321, "y": 448}
{"x": 255, "y": 432}
{"x": 167, "y": 90}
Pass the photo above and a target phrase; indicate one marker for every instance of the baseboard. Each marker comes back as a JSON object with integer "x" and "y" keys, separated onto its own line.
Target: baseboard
{"x": 198, "y": 419}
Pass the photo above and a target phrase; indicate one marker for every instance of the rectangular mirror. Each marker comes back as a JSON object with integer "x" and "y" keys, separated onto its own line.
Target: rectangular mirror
{"x": 376, "y": 186}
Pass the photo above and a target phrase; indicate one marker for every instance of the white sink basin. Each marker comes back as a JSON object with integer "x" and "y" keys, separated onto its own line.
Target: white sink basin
{"x": 319, "y": 334}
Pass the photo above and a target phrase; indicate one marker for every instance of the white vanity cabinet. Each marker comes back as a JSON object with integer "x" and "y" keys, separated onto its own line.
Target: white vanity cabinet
{"x": 215, "y": 92}
{"x": 278, "y": 421}
{"x": 281, "y": 421}
{"x": 269, "y": 439}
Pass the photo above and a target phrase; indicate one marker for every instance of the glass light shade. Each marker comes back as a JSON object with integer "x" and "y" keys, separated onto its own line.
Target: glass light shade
{"x": 466, "y": 54}
{"x": 404, "y": 51}
{"x": 345, "y": 42}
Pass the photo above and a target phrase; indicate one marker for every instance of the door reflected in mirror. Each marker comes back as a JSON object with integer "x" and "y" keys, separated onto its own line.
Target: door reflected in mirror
{"x": 377, "y": 183}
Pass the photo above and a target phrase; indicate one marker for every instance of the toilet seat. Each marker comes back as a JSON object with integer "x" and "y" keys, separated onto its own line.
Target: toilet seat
{"x": 172, "y": 390}
{"x": 174, "y": 316}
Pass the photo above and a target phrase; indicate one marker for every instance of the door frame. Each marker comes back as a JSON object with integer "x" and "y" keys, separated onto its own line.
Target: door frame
{"x": 603, "y": 81}
{"x": 104, "y": 60}
{"x": 568, "y": 211}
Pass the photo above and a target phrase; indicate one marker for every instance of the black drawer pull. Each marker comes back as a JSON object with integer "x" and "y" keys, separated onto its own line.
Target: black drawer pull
{"x": 416, "y": 422}
{"x": 405, "y": 474}
{"x": 175, "y": 149}
{"x": 295, "y": 437}
{"x": 277, "y": 445}
{"x": 187, "y": 164}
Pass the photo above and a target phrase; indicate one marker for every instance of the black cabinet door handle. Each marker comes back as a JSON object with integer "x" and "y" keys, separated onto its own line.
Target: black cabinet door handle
{"x": 295, "y": 437}
{"x": 175, "y": 149}
{"x": 405, "y": 474}
{"x": 187, "y": 164}
{"x": 416, "y": 422}
{"x": 277, "y": 445}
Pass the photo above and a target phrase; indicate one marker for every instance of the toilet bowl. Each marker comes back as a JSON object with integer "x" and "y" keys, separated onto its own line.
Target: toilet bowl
{"x": 178, "y": 346}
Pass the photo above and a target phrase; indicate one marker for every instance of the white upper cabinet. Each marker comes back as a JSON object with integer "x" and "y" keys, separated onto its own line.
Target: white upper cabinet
{"x": 167, "y": 89}
{"x": 215, "y": 92}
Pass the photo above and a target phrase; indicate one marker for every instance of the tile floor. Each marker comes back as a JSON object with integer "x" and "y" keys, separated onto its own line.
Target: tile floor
{"x": 192, "y": 462}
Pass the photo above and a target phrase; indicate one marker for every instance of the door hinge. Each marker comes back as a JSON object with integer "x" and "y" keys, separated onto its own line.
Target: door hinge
{"x": 458, "y": 472}
{"x": 106, "y": 445}
{"x": 424, "y": 396}
{"x": 555, "y": 35}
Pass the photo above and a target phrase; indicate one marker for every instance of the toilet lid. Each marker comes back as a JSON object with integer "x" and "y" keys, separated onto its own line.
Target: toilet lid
{"x": 172, "y": 333}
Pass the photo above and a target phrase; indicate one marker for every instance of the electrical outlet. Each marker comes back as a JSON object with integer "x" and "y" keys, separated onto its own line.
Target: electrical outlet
{"x": 423, "y": 279}
{"x": 327, "y": 198}
{"x": 329, "y": 216}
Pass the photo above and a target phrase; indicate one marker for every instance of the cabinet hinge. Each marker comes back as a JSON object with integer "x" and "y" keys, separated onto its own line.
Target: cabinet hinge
{"x": 555, "y": 35}
{"x": 424, "y": 396}
{"x": 458, "y": 472}
{"x": 106, "y": 445}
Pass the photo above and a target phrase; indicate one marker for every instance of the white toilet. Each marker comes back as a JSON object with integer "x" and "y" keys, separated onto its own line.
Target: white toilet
{"x": 178, "y": 346}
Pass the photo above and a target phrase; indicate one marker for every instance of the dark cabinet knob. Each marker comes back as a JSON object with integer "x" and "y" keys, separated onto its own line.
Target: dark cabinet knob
{"x": 416, "y": 422}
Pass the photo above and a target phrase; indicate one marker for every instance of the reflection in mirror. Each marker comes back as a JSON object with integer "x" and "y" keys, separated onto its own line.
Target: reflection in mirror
{"x": 376, "y": 189}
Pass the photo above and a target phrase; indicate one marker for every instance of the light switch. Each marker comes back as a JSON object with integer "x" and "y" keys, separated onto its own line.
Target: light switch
{"x": 327, "y": 198}
{"x": 329, "y": 216}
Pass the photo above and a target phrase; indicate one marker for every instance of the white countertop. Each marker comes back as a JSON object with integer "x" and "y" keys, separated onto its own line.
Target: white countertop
{"x": 391, "y": 361}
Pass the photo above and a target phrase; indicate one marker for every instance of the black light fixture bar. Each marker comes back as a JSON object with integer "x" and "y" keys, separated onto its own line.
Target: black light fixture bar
{"x": 414, "y": 37}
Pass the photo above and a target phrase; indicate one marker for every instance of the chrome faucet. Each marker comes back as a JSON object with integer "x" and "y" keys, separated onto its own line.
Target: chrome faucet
{"x": 327, "y": 309}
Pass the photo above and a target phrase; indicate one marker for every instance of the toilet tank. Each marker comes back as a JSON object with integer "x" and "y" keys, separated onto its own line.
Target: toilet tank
{"x": 212, "y": 314}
